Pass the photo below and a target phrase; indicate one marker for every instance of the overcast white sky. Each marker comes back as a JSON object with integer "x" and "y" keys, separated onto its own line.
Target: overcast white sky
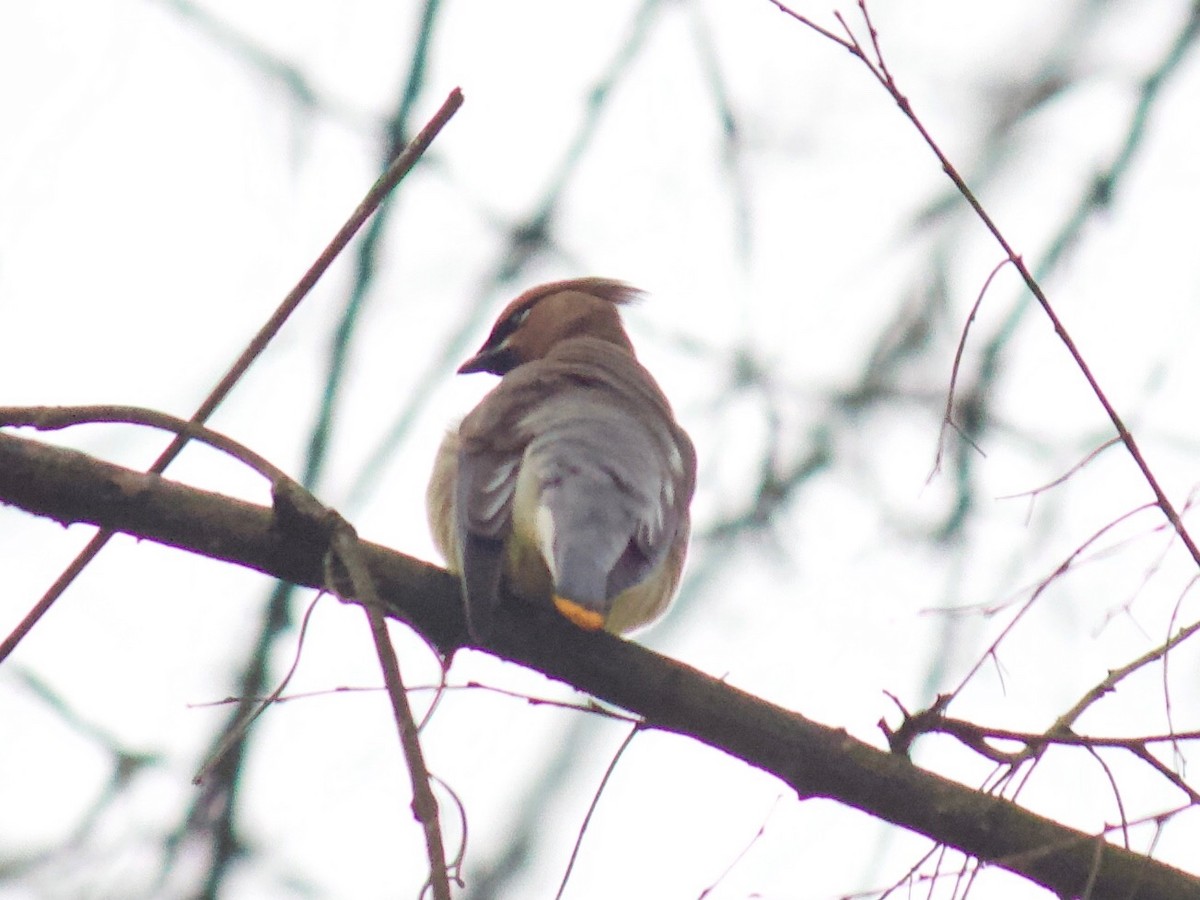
{"x": 162, "y": 185}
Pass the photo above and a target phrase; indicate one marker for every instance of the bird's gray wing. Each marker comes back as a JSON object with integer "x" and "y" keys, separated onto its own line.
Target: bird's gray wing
{"x": 488, "y": 460}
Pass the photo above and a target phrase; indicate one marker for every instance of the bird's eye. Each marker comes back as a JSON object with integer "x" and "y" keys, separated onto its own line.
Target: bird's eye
{"x": 505, "y": 328}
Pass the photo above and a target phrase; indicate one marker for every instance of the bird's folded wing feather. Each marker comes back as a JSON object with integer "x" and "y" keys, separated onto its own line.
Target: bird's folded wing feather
{"x": 592, "y": 407}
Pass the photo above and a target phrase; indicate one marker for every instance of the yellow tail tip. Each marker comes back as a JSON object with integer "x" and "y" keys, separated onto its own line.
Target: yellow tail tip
{"x": 587, "y": 619}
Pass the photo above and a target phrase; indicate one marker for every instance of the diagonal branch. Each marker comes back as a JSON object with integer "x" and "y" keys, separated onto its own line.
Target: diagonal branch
{"x": 378, "y": 192}
{"x": 813, "y": 759}
{"x": 873, "y": 59}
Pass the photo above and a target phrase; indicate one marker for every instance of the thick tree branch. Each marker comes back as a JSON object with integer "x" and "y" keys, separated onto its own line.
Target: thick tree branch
{"x": 813, "y": 759}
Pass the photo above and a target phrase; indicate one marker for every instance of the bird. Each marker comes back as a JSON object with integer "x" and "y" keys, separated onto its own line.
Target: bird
{"x": 571, "y": 482}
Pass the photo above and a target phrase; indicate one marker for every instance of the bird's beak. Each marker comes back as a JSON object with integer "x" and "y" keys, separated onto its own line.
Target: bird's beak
{"x": 496, "y": 360}
{"x": 477, "y": 363}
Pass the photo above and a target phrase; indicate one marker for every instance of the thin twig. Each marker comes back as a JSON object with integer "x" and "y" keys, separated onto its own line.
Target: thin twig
{"x": 1109, "y": 684}
{"x": 1168, "y": 706}
{"x": 948, "y": 415}
{"x": 424, "y": 804}
{"x": 879, "y": 69}
{"x": 1032, "y": 492}
{"x": 586, "y": 706}
{"x": 1166, "y": 772}
{"x": 1059, "y": 570}
{"x": 971, "y": 733}
{"x": 633, "y": 732}
{"x": 378, "y": 192}
{"x": 236, "y": 731}
{"x": 1112, "y": 782}
{"x": 53, "y": 418}
{"x": 762, "y": 829}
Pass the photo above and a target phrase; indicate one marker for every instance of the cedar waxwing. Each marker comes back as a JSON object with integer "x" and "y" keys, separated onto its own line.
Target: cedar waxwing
{"x": 571, "y": 480}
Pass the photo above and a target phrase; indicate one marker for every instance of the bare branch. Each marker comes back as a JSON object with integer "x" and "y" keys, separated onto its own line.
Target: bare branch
{"x": 814, "y": 760}
{"x": 878, "y": 68}
{"x": 400, "y": 167}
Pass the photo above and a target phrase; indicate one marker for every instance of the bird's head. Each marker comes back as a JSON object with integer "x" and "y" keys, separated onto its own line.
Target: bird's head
{"x": 543, "y": 316}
